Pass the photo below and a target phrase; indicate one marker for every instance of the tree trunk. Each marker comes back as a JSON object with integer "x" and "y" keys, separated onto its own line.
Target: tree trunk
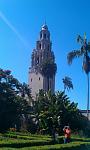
{"x": 88, "y": 95}
{"x": 48, "y": 83}
{"x": 64, "y": 88}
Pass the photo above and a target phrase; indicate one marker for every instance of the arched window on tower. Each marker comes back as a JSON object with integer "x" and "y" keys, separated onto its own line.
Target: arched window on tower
{"x": 37, "y": 60}
{"x": 48, "y": 47}
{"x": 48, "y": 36}
{"x": 44, "y": 46}
{"x": 40, "y": 35}
{"x": 44, "y": 35}
{"x": 40, "y": 45}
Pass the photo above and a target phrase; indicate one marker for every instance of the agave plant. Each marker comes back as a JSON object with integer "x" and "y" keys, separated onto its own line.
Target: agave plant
{"x": 84, "y": 52}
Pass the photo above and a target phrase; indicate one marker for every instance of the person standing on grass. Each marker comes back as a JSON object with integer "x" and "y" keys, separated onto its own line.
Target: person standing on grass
{"x": 67, "y": 134}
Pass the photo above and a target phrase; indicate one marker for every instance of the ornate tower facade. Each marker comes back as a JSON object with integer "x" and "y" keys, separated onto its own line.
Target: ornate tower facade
{"x": 42, "y": 52}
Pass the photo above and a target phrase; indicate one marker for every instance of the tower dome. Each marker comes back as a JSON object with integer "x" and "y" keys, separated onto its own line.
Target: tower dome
{"x": 44, "y": 27}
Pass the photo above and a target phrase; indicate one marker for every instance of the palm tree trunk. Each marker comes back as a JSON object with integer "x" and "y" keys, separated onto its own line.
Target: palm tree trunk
{"x": 88, "y": 95}
{"x": 64, "y": 88}
{"x": 48, "y": 82}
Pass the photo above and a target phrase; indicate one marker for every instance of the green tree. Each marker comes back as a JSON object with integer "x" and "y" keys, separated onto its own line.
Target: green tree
{"x": 48, "y": 69}
{"x": 84, "y": 52}
{"x": 67, "y": 83}
{"x": 54, "y": 111}
{"x": 46, "y": 113}
{"x": 12, "y": 101}
{"x": 70, "y": 114}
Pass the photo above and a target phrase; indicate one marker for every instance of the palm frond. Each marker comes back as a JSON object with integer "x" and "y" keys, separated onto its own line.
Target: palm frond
{"x": 67, "y": 83}
{"x": 80, "y": 39}
{"x": 88, "y": 47}
{"x": 73, "y": 54}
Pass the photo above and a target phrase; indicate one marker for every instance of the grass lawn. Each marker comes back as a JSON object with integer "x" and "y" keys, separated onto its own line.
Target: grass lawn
{"x": 26, "y": 141}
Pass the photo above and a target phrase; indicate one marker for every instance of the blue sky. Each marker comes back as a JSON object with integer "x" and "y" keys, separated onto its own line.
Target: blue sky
{"x": 20, "y": 23}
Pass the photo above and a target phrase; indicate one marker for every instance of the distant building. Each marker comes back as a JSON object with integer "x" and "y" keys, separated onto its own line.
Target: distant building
{"x": 84, "y": 113}
{"x": 42, "y": 51}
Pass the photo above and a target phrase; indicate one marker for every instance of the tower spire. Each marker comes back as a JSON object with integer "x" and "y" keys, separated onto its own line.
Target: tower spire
{"x": 45, "y": 21}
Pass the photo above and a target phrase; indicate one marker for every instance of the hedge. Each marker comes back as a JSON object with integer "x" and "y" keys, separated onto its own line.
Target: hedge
{"x": 71, "y": 146}
{"x": 26, "y": 137}
{"x": 24, "y": 143}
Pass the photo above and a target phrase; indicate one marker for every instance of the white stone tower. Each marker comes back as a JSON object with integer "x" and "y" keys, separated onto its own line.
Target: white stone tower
{"x": 42, "y": 51}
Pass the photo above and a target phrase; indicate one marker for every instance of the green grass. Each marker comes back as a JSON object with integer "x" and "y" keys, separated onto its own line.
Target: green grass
{"x": 26, "y": 141}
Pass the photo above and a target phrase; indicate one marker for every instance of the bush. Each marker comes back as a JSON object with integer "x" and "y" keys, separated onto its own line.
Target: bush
{"x": 73, "y": 146}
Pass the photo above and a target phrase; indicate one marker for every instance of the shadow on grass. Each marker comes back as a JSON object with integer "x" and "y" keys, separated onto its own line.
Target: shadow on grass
{"x": 80, "y": 140}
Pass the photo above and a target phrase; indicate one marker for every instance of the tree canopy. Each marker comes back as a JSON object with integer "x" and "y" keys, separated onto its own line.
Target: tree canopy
{"x": 67, "y": 81}
{"x": 13, "y": 102}
{"x": 48, "y": 68}
{"x": 54, "y": 111}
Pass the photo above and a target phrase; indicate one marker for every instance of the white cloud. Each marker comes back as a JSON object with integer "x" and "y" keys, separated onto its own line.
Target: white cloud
{"x": 9, "y": 24}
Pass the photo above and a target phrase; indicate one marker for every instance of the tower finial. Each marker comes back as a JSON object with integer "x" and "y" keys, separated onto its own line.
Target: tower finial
{"x": 44, "y": 26}
{"x": 45, "y": 21}
{"x": 84, "y": 35}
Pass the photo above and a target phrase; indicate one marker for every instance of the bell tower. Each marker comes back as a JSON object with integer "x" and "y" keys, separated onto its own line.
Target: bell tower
{"x": 42, "y": 51}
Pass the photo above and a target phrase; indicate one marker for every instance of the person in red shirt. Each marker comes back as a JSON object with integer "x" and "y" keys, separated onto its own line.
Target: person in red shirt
{"x": 67, "y": 134}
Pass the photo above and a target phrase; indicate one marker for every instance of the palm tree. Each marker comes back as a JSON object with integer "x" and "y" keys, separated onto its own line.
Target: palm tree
{"x": 48, "y": 69}
{"x": 67, "y": 83}
{"x": 84, "y": 52}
